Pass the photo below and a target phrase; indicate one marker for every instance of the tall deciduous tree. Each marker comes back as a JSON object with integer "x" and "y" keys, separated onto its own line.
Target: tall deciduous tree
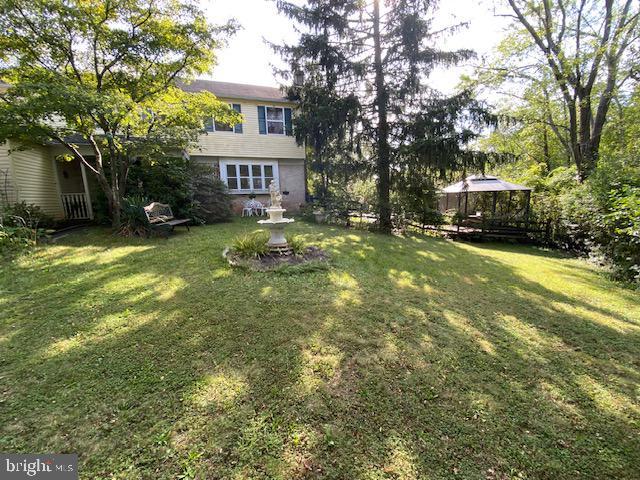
{"x": 105, "y": 74}
{"x": 372, "y": 61}
{"x": 584, "y": 45}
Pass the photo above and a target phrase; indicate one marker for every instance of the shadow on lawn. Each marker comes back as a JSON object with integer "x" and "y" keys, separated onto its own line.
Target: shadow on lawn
{"x": 410, "y": 358}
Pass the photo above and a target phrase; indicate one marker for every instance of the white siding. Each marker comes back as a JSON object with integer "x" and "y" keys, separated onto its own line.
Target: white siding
{"x": 35, "y": 179}
{"x": 249, "y": 143}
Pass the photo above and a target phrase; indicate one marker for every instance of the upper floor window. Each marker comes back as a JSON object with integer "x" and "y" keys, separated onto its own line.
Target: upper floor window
{"x": 274, "y": 120}
{"x": 211, "y": 125}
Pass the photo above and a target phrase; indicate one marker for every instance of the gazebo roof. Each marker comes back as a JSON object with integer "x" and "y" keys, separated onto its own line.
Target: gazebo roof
{"x": 484, "y": 183}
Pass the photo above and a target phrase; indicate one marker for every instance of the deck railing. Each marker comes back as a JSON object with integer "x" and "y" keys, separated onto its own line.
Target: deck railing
{"x": 76, "y": 206}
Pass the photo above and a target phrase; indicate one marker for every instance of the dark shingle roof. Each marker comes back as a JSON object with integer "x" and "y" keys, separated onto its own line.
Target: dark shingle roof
{"x": 235, "y": 90}
{"x": 483, "y": 183}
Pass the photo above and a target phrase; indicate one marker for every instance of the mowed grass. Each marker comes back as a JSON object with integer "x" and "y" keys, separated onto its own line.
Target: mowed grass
{"x": 408, "y": 358}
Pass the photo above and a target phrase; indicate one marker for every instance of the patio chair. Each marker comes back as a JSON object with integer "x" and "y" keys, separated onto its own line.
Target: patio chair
{"x": 259, "y": 208}
{"x": 247, "y": 210}
{"x": 253, "y": 207}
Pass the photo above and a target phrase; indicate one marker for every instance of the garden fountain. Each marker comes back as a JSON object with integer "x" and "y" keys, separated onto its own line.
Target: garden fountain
{"x": 277, "y": 242}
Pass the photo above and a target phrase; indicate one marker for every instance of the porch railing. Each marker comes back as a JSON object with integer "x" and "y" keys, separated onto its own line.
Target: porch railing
{"x": 76, "y": 206}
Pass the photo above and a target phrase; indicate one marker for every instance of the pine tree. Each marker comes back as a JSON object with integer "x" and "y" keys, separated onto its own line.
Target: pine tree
{"x": 371, "y": 64}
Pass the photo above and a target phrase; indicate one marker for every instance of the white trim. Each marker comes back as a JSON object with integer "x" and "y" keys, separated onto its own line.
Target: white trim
{"x": 223, "y": 174}
{"x": 86, "y": 190}
{"x": 54, "y": 162}
{"x": 266, "y": 119}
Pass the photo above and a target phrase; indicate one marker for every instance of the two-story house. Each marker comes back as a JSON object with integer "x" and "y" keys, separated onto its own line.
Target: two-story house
{"x": 246, "y": 156}
{"x": 261, "y": 149}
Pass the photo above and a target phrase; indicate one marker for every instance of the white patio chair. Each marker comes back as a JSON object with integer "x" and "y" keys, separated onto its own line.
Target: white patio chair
{"x": 259, "y": 208}
{"x": 247, "y": 210}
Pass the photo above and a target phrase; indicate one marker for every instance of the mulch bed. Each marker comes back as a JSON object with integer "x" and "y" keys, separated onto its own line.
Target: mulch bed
{"x": 273, "y": 262}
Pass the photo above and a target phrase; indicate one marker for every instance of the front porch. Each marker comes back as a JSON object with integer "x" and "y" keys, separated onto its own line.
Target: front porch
{"x": 75, "y": 189}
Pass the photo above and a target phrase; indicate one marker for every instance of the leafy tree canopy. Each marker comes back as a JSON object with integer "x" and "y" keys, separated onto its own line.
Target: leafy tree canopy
{"x": 102, "y": 78}
{"x": 572, "y": 58}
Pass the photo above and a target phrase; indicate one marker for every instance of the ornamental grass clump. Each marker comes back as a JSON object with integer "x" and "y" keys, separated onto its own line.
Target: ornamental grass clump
{"x": 297, "y": 244}
{"x": 134, "y": 221}
{"x": 252, "y": 245}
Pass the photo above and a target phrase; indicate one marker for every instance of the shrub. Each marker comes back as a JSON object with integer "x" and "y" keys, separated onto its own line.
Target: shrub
{"x": 211, "y": 200}
{"x": 427, "y": 217}
{"x": 22, "y": 214}
{"x": 134, "y": 220}
{"x": 253, "y": 245}
{"x": 624, "y": 221}
{"x": 164, "y": 180}
{"x": 189, "y": 187}
{"x": 14, "y": 240}
{"x": 306, "y": 212}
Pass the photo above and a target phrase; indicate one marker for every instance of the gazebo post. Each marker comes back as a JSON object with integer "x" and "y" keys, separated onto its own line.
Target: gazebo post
{"x": 495, "y": 200}
{"x": 466, "y": 202}
{"x": 526, "y": 211}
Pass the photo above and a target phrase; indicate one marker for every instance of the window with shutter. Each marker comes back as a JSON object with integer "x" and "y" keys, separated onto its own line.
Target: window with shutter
{"x": 274, "y": 121}
{"x": 262, "y": 120}
{"x": 211, "y": 125}
{"x": 238, "y": 127}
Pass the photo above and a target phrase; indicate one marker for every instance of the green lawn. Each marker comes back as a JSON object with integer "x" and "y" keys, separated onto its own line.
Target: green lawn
{"x": 408, "y": 358}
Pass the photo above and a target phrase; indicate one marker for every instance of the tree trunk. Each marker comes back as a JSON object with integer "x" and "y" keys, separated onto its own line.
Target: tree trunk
{"x": 114, "y": 197}
{"x": 545, "y": 148}
{"x": 115, "y": 206}
{"x": 383, "y": 163}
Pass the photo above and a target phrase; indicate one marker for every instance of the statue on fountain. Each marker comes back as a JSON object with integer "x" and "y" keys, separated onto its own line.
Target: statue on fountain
{"x": 276, "y": 197}
{"x": 275, "y": 223}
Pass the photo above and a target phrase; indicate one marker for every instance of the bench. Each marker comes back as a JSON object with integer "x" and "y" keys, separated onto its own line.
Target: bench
{"x": 161, "y": 217}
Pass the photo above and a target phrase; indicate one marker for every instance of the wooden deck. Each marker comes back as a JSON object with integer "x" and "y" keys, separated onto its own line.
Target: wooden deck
{"x": 468, "y": 232}
{"x": 473, "y": 228}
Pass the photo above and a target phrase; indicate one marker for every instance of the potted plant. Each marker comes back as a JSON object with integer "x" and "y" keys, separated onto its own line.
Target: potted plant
{"x": 320, "y": 214}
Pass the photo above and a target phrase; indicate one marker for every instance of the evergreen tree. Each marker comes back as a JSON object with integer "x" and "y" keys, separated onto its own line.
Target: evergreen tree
{"x": 364, "y": 69}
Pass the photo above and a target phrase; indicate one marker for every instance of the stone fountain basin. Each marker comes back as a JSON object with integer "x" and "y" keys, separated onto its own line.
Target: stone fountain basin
{"x": 275, "y": 216}
{"x": 275, "y": 223}
{"x": 271, "y": 221}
